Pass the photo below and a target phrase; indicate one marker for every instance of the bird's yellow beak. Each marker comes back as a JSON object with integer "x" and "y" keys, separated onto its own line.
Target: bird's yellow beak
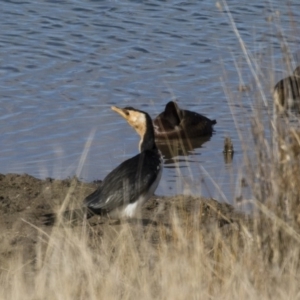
{"x": 121, "y": 111}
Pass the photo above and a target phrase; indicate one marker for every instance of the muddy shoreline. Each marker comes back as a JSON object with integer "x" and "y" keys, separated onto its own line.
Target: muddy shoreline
{"x": 24, "y": 199}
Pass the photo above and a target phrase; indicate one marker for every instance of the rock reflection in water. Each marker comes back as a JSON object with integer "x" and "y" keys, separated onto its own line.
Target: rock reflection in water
{"x": 179, "y": 147}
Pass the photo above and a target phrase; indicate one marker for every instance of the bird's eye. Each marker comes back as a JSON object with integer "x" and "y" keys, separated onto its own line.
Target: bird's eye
{"x": 126, "y": 113}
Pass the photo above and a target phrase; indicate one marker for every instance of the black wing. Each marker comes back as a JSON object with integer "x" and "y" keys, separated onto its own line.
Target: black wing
{"x": 125, "y": 183}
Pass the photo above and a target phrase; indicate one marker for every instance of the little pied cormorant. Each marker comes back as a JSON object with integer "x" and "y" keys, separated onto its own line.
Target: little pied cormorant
{"x": 174, "y": 123}
{"x": 124, "y": 190}
{"x": 287, "y": 92}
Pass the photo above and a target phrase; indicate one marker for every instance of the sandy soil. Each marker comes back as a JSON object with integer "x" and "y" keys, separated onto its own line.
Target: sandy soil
{"x": 24, "y": 199}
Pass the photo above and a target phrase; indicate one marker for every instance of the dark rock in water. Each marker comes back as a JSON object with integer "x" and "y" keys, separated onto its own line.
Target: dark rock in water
{"x": 228, "y": 150}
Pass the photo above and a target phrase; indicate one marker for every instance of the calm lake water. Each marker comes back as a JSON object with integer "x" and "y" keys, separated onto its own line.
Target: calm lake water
{"x": 64, "y": 63}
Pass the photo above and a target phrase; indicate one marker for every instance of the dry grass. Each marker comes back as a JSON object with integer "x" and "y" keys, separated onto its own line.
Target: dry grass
{"x": 249, "y": 259}
{"x": 178, "y": 259}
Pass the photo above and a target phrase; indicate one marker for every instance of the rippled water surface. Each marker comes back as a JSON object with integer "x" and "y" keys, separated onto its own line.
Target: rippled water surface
{"x": 64, "y": 63}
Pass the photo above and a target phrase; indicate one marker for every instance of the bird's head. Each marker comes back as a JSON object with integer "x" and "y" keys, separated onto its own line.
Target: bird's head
{"x": 135, "y": 118}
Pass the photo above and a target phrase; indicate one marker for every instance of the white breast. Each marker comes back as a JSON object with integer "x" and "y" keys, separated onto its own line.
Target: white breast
{"x": 130, "y": 209}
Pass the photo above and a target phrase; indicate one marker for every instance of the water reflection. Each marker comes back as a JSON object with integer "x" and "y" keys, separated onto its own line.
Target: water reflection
{"x": 180, "y": 147}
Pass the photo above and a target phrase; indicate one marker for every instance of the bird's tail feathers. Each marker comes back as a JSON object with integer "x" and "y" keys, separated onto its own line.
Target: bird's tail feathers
{"x": 68, "y": 216}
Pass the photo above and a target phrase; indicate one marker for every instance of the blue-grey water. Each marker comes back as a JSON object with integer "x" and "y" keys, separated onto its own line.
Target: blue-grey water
{"x": 64, "y": 63}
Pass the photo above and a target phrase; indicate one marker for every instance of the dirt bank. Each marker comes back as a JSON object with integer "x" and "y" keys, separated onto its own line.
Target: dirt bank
{"x": 24, "y": 199}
